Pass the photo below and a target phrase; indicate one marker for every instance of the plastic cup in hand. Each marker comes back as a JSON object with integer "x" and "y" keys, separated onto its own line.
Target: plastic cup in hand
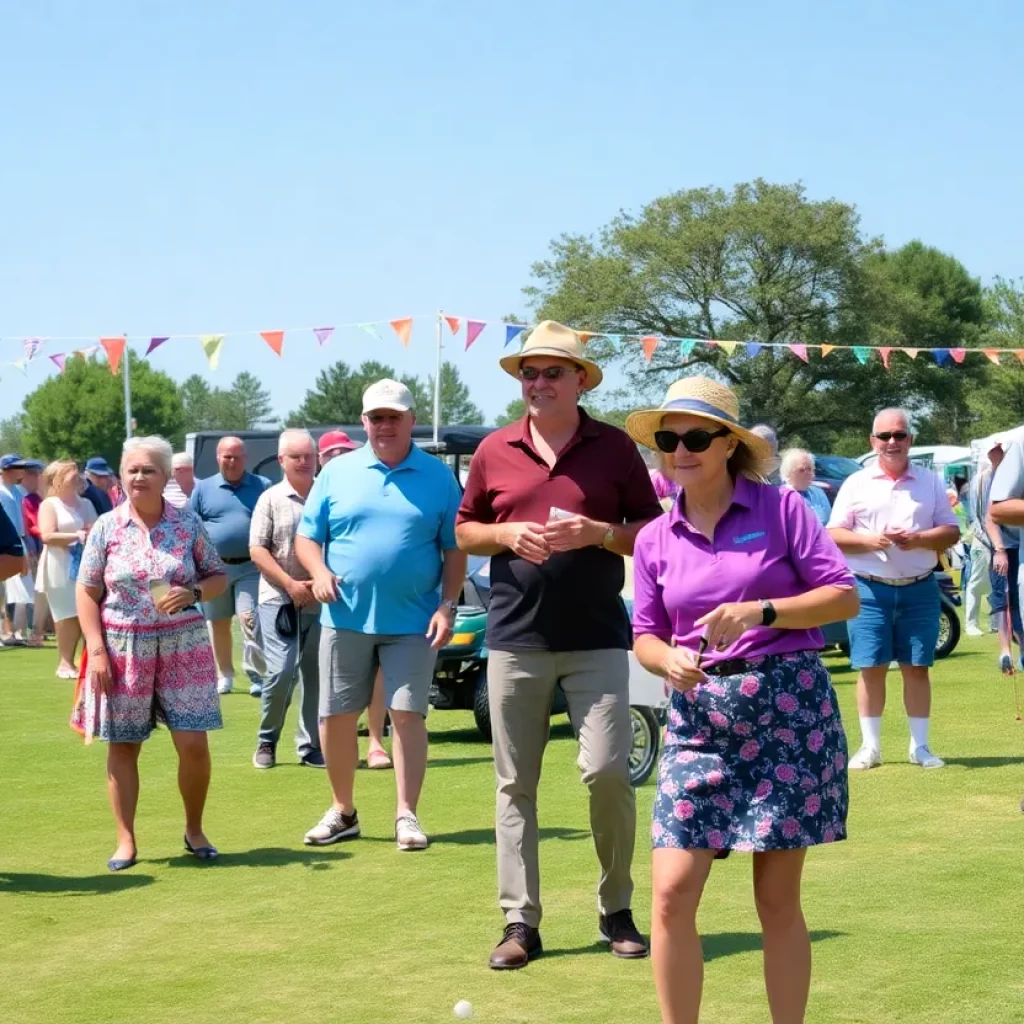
{"x": 158, "y": 589}
{"x": 555, "y": 513}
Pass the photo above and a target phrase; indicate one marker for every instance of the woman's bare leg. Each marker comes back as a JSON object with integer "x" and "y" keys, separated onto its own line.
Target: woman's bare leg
{"x": 123, "y": 790}
{"x": 193, "y": 781}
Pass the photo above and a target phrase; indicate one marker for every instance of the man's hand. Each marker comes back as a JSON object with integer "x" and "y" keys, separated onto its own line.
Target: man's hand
{"x": 680, "y": 669}
{"x": 526, "y": 540}
{"x": 82, "y": 535}
{"x": 439, "y": 632}
{"x": 573, "y": 533}
{"x": 325, "y": 586}
{"x": 905, "y": 540}
{"x": 301, "y": 593}
{"x": 728, "y": 622}
{"x": 176, "y": 599}
{"x": 1000, "y": 563}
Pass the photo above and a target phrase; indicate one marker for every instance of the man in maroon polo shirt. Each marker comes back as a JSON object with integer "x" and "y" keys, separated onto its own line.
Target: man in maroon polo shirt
{"x": 556, "y": 500}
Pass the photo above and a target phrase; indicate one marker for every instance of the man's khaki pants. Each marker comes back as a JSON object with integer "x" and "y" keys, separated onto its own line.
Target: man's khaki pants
{"x": 521, "y": 686}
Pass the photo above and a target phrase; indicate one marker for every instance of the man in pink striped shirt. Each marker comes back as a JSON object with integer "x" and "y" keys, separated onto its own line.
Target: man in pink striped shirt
{"x": 891, "y": 520}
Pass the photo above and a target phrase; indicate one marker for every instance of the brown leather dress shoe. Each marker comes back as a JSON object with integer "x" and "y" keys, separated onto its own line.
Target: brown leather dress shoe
{"x": 518, "y": 946}
{"x": 622, "y": 936}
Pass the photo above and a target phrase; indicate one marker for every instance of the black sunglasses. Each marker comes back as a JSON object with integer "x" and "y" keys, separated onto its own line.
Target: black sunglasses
{"x": 693, "y": 440}
{"x": 548, "y": 373}
{"x": 892, "y": 435}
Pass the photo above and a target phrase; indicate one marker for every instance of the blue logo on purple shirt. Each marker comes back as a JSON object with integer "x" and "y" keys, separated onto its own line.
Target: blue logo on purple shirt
{"x": 748, "y": 537}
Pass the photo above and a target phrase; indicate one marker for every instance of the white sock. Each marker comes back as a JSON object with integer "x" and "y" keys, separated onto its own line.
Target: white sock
{"x": 918, "y": 732}
{"x": 871, "y": 732}
{"x": 227, "y": 677}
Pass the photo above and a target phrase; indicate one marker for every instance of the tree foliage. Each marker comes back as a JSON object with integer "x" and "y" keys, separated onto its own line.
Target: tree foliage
{"x": 243, "y": 406}
{"x": 457, "y": 408}
{"x": 765, "y": 263}
{"x": 12, "y": 434}
{"x": 1000, "y": 403}
{"x": 80, "y": 413}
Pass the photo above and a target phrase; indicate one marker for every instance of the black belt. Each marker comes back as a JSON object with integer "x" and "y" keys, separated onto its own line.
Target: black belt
{"x": 740, "y": 666}
{"x": 235, "y": 561}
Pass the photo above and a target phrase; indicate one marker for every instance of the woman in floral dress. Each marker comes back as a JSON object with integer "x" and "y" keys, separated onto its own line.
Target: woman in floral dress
{"x": 145, "y": 568}
{"x": 729, "y": 589}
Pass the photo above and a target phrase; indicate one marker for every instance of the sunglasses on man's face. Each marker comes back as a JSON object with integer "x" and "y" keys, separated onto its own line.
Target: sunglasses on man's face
{"x": 892, "y": 435}
{"x": 693, "y": 440}
{"x": 548, "y": 373}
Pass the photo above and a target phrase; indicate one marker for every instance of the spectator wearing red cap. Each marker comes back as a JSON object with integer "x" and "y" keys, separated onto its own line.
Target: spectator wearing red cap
{"x": 334, "y": 443}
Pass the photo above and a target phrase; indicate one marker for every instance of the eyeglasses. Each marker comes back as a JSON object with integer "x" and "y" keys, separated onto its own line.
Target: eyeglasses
{"x": 548, "y": 373}
{"x": 693, "y": 440}
{"x": 892, "y": 435}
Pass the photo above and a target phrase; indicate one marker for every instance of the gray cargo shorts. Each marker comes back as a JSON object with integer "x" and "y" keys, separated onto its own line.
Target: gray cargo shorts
{"x": 349, "y": 663}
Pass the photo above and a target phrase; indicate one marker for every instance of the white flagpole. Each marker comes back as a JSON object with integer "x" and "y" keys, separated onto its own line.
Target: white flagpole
{"x": 437, "y": 376}
{"x": 126, "y": 364}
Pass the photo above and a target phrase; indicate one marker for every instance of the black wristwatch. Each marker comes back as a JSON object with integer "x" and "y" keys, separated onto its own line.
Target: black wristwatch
{"x": 197, "y": 595}
{"x": 768, "y": 613}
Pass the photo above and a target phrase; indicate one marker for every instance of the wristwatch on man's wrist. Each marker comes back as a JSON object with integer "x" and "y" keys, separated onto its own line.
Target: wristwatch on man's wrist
{"x": 451, "y": 606}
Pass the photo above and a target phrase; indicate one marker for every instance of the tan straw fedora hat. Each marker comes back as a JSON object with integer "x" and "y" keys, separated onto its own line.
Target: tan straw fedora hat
{"x": 697, "y": 396}
{"x": 553, "y": 339}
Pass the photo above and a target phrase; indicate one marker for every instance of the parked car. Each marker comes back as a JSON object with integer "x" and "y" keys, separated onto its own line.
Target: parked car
{"x": 830, "y": 471}
{"x": 836, "y": 634}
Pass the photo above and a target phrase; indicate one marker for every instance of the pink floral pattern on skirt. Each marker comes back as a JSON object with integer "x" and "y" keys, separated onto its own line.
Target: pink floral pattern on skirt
{"x": 754, "y": 761}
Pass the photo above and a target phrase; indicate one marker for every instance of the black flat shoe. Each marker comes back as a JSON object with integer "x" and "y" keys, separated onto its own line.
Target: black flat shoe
{"x": 201, "y": 852}
{"x": 120, "y": 864}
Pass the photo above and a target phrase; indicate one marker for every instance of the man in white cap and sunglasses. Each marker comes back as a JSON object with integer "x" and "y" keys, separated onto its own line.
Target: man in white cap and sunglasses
{"x": 377, "y": 537}
{"x": 556, "y": 500}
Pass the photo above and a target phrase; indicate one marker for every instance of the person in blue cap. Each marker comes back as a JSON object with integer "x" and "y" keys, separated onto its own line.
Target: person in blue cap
{"x": 19, "y": 589}
{"x": 101, "y": 485}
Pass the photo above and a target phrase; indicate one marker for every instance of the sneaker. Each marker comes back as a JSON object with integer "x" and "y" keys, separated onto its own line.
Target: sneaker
{"x": 265, "y": 756}
{"x": 333, "y": 827}
{"x": 256, "y": 690}
{"x": 973, "y": 631}
{"x": 408, "y": 834}
{"x": 865, "y": 758}
{"x": 622, "y": 936}
{"x": 225, "y": 684}
{"x": 925, "y": 758}
{"x": 314, "y": 759}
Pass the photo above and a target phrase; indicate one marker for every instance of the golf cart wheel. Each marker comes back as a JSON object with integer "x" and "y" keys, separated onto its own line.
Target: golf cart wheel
{"x": 482, "y": 707}
{"x": 643, "y": 754}
{"x": 949, "y": 632}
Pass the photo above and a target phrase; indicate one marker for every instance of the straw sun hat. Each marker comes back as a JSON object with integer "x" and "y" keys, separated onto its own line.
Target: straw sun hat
{"x": 553, "y": 339}
{"x": 697, "y": 396}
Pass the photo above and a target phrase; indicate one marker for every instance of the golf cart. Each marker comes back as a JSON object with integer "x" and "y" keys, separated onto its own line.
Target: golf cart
{"x": 460, "y": 679}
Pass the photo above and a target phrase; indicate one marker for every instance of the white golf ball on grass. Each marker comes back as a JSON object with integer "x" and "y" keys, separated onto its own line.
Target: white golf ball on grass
{"x": 463, "y": 1009}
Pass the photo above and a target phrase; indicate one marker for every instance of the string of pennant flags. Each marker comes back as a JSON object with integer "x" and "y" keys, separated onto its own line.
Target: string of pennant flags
{"x": 212, "y": 344}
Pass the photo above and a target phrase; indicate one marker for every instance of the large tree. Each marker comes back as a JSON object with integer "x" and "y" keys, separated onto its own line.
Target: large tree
{"x": 457, "y": 408}
{"x": 80, "y": 412}
{"x": 1000, "y": 403}
{"x": 764, "y": 263}
{"x": 336, "y": 397}
{"x": 12, "y": 434}
{"x": 243, "y": 406}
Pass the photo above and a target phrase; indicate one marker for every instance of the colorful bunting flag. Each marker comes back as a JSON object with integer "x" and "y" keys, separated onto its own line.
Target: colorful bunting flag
{"x": 1019, "y": 353}
{"x": 728, "y": 347}
{"x": 585, "y": 336}
{"x": 650, "y": 343}
{"x": 941, "y": 356}
{"x": 114, "y": 347}
{"x": 993, "y": 355}
{"x": 800, "y": 351}
{"x": 512, "y": 331}
{"x": 21, "y": 364}
{"x": 155, "y": 343}
{"x": 686, "y": 347}
{"x": 958, "y": 354}
{"x": 275, "y": 339}
{"x": 403, "y": 328}
{"x": 32, "y": 347}
{"x": 753, "y": 348}
{"x": 371, "y": 331}
{"x": 473, "y": 329}
{"x": 910, "y": 353}
{"x": 58, "y": 359}
{"x": 453, "y": 323}
{"x": 212, "y": 344}
{"x": 825, "y": 349}
{"x": 862, "y": 352}
{"x": 323, "y": 334}
{"x": 885, "y": 352}
{"x": 615, "y": 339}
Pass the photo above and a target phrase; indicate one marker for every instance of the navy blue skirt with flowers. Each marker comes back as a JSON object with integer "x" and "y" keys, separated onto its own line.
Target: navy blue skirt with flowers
{"x": 754, "y": 761}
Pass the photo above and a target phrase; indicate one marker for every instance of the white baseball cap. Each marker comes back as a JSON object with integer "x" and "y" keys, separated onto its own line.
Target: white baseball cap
{"x": 387, "y": 394}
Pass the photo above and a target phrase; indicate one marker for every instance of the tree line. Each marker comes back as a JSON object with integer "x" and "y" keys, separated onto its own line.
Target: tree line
{"x": 80, "y": 412}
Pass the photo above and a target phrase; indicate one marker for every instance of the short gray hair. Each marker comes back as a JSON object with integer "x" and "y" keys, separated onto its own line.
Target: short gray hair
{"x": 294, "y": 434}
{"x": 893, "y": 410}
{"x": 790, "y": 458}
{"x": 159, "y": 450}
{"x": 180, "y": 460}
{"x": 765, "y": 432}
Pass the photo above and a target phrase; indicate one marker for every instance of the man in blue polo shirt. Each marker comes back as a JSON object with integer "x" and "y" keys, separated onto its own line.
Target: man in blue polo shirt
{"x": 12, "y": 553}
{"x": 389, "y": 586}
{"x": 225, "y": 502}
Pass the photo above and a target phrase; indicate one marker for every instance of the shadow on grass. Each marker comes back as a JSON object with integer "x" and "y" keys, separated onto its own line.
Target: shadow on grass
{"x": 62, "y": 885}
{"x": 451, "y": 762}
{"x": 485, "y": 837}
{"x": 265, "y": 857}
{"x": 985, "y": 762}
{"x": 730, "y": 943}
{"x": 559, "y": 731}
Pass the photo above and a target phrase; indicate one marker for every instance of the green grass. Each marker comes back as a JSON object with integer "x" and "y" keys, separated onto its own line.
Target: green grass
{"x": 917, "y": 919}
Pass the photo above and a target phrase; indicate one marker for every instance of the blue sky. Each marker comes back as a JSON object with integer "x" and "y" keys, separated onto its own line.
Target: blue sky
{"x": 175, "y": 167}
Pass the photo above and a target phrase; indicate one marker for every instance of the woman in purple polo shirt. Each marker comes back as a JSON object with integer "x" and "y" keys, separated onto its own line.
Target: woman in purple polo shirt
{"x": 730, "y": 589}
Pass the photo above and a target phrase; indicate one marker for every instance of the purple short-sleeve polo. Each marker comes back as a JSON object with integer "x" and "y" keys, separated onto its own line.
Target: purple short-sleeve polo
{"x": 768, "y": 545}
